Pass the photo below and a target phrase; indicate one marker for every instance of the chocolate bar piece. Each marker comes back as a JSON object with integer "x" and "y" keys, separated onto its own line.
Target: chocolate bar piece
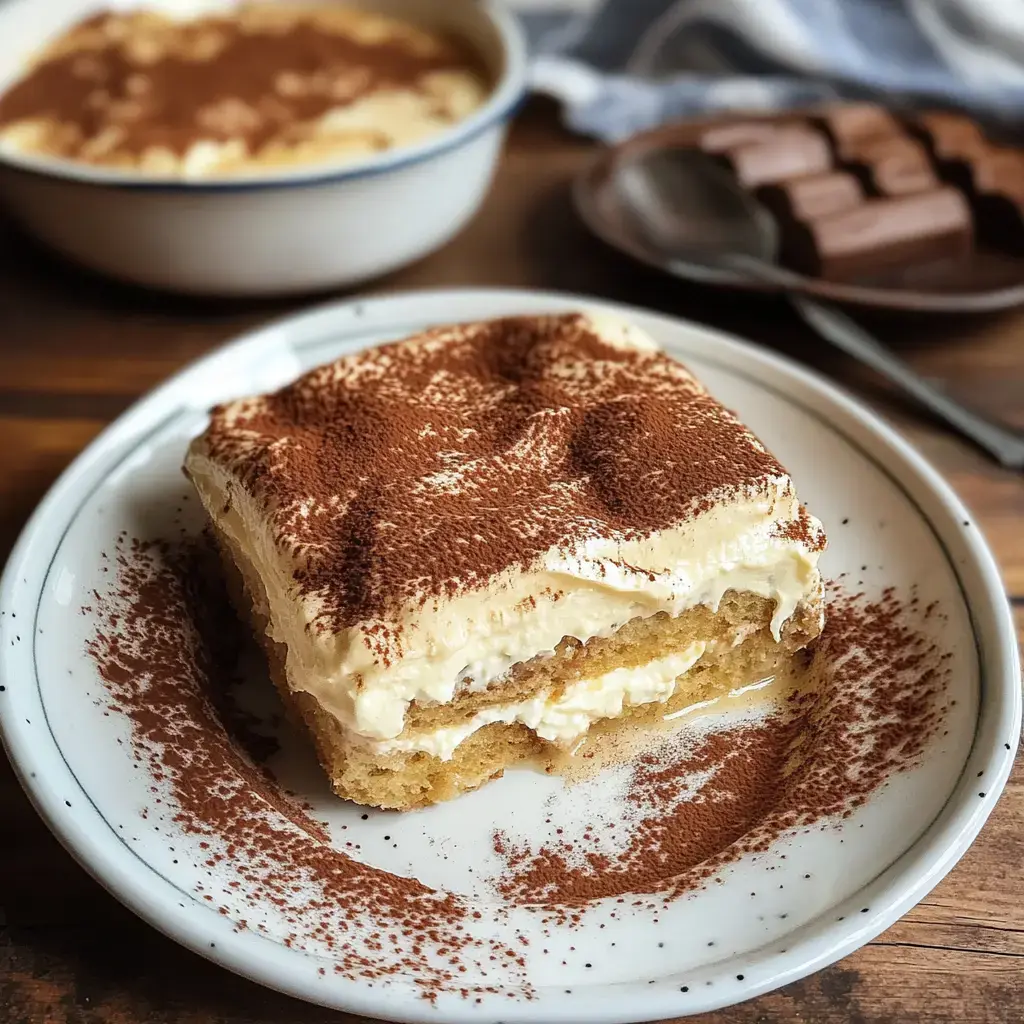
{"x": 990, "y": 168}
{"x": 810, "y": 197}
{"x": 949, "y": 136}
{"x": 850, "y": 125}
{"x": 990, "y": 177}
{"x": 724, "y": 137}
{"x": 956, "y": 144}
{"x": 996, "y": 168}
{"x": 995, "y": 190}
{"x": 882, "y": 233}
{"x": 790, "y": 153}
{"x": 894, "y": 165}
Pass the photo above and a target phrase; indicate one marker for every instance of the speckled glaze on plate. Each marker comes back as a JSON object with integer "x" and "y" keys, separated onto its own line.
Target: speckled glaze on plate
{"x": 883, "y": 507}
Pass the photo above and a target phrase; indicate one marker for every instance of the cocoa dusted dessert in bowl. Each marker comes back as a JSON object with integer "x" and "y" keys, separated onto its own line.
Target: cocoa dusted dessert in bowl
{"x": 266, "y": 85}
{"x": 266, "y": 147}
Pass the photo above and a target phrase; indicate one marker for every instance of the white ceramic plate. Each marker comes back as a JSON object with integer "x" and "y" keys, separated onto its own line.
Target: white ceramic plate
{"x": 883, "y": 507}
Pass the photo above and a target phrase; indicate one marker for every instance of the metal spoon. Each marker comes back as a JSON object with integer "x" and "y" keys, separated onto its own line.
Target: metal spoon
{"x": 702, "y": 224}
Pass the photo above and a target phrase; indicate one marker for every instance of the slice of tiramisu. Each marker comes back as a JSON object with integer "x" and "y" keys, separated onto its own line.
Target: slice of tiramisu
{"x": 463, "y": 549}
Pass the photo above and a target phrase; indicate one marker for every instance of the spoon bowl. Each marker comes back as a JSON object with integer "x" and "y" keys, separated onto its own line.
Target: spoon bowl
{"x": 688, "y": 206}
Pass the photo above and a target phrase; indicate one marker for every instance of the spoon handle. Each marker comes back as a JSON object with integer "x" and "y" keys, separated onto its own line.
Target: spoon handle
{"x": 1006, "y": 446}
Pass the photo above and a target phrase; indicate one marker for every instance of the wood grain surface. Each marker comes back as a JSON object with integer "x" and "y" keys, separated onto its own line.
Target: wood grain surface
{"x": 75, "y": 351}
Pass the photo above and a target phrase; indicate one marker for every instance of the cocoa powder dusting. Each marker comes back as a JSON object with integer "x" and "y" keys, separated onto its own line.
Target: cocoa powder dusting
{"x": 166, "y": 646}
{"x": 423, "y": 468}
{"x": 216, "y": 77}
{"x": 877, "y": 702}
{"x": 804, "y": 529}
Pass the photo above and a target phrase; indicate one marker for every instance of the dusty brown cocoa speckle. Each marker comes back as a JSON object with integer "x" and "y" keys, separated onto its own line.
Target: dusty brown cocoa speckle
{"x": 876, "y": 702}
{"x": 169, "y": 668}
{"x": 213, "y": 79}
{"x": 423, "y": 468}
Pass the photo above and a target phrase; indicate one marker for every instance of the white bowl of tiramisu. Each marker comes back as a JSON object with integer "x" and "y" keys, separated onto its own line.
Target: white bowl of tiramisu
{"x": 252, "y": 148}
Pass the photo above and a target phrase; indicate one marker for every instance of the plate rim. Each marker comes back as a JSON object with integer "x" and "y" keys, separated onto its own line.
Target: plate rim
{"x": 943, "y": 842}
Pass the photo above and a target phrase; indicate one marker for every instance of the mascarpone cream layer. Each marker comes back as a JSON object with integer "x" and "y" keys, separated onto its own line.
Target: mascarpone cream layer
{"x": 568, "y": 716}
{"x": 471, "y": 640}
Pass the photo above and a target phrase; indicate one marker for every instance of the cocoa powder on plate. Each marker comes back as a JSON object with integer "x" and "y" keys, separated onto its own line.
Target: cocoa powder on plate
{"x": 167, "y": 644}
{"x": 875, "y": 698}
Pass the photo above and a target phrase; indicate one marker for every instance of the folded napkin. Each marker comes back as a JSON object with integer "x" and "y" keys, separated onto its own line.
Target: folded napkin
{"x": 620, "y": 66}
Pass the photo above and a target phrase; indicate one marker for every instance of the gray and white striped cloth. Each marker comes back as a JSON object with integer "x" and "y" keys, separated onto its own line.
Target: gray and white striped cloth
{"x": 619, "y": 66}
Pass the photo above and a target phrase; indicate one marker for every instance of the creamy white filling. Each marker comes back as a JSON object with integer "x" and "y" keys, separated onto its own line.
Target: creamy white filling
{"x": 568, "y": 716}
{"x": 591, "y": 591}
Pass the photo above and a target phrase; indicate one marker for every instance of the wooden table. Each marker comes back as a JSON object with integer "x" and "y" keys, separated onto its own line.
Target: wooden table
{"x": 75, "y": 351}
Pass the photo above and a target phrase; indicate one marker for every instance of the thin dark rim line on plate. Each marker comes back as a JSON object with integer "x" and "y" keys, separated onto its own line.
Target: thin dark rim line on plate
{"x": 347, "y": 339}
